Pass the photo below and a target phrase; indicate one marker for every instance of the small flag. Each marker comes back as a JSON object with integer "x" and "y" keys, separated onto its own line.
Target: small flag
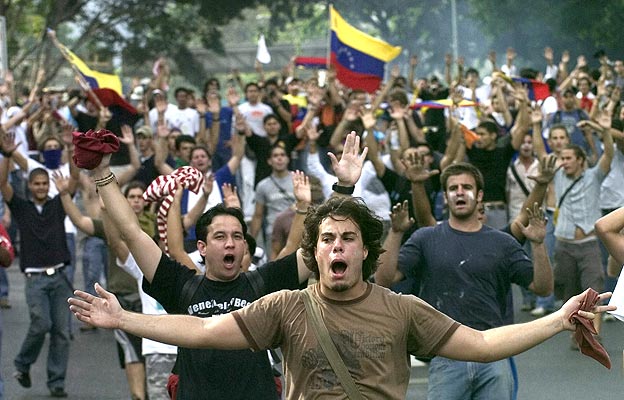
{"x": 311, "y": 62}
{"x": 536, "y": 90}
{"x": 263, "y": 55}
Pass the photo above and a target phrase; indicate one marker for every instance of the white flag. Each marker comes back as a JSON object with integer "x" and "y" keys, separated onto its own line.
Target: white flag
{"x": 263, "y": 55}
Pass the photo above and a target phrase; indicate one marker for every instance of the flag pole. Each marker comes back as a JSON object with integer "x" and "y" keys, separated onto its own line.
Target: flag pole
{"x": 81, "y": 80}
{"x": 331, "y": 7}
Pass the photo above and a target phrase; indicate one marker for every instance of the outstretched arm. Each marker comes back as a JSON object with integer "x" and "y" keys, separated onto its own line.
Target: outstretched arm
{"x": 495, "y": 344}
{"x": 82, "y": 222}
{"x": 104, "y": 311}
{"x": 175, "y": 232}
{"x": 146, "y": 253}
{"x": 608, "y": 229}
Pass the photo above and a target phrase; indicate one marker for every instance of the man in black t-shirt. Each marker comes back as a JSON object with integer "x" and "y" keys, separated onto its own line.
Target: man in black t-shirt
{"x": 44, "y": 255}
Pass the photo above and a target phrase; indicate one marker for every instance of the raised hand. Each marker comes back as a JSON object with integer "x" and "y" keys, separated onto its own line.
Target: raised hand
{"x": 230, "y": 196}
{"x": 415, "y": 168}
{"x": 368, "y": 119}
{"x": 349, "y": 168}
{"x": 312, "y": 132}
{"x": 232, "y": 97}
{"x": 201, "y": 106}
{"x": 536, "y": 115}
{"x": 103, "y": 311}
{"x": 301, "y": 185}
{"x": 547, "y": 170}
{"x": 399, "y": 217}
{"x": 61, "y": 182}
{"x": 127, "y": 137}
{"x": 536, "y": 230}
{"x": 8, "y": 141}
{"x": 548, "y": 54}
{"x": 208, "y": 184}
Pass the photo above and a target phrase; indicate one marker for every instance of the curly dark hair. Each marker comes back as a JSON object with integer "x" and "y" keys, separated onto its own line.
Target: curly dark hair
{"x": 339, "y": 208}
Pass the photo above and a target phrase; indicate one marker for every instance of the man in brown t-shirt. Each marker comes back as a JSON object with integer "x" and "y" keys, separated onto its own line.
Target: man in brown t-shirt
{"x": 372, "y": 327}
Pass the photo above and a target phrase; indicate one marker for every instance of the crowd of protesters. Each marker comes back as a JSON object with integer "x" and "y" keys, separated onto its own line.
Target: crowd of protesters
{"x": 239, "y": 143}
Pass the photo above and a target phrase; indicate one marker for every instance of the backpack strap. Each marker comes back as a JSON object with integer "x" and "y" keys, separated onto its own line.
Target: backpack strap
{"x": 189, "y": 289}
{"x": 257, "y": 283}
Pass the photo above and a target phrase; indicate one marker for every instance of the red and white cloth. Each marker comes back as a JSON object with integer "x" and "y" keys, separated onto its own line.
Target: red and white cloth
{"x": 164, "y": 188}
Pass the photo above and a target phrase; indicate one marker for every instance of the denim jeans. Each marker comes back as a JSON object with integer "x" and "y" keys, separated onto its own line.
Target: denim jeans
{"x": 46, "y": 297}
{"x": 461, "y": 380}
{"x": 1, "y": 381}
{"x": 4, "y": 284}
{"x": 70, "y": 270}
{"x": 94, "y": 261}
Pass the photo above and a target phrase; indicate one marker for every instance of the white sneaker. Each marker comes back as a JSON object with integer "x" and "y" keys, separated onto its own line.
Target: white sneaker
{"x": 538, "y": 312}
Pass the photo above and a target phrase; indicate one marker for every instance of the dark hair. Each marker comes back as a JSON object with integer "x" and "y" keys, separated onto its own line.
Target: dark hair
{"x": 472, "y": 71}
{"x": 560, "y": 127}
{"x": 251, "y": 244}
{"x": 183, "y": 139}
{"x": 36, "y": 172}
{"x": 462, "y": 168}
{"x": 201, "y": 147}
{"x": 49, "y": 138}
{"x": 398, "y": 94}
{"x": 211, "y": 81}
{"x": 134, "y": 185}
{"x": 180, "y": 89}
{"x": 201, "y": 227}
{"x": 247, "y": 86}
{"x": 268, "y": 117}
{"x": 354, "y": 209}
{"x": 578, "y": 151}
{"x": 489, "y": 126}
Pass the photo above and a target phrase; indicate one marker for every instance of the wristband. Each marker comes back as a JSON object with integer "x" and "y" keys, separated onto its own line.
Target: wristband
{"x": 301, "y": 212}
{"x": 6, "y": 154}
{"x": 343, "y": 189}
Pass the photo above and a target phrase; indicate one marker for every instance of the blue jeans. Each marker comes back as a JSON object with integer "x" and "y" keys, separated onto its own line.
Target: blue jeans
{"x": 94, "y": 261}
{"x": 4, "y": 284}
{"x": 46, "y": 297}
{"x": 461, "y": 380}
{"x": 70, "y": 270}
{"x": 1, "y": 381}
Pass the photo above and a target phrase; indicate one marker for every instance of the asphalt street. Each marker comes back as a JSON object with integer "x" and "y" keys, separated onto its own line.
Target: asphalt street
{"x": 549, "y": 371}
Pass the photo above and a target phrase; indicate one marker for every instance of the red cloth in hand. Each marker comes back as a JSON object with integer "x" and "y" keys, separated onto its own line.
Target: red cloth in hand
{"x": 585, "y": 331}
{"x": 91, "y": 146}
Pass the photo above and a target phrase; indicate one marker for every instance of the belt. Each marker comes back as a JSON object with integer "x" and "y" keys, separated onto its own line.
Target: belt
{"x": 49, "y": 271}
{"x": 494, "y": 205}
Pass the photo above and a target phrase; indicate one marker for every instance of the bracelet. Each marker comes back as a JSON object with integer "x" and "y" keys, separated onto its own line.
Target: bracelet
{"x": 105, "y": 181}
{"x": 301, "y": 212}
{"x": 342, "y": 189}
{"x": 6, "y": 154}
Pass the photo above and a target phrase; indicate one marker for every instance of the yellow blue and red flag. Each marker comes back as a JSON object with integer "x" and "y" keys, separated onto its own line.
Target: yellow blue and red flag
{"x": 359, "y": 59}
{"x": 95, "y": 79}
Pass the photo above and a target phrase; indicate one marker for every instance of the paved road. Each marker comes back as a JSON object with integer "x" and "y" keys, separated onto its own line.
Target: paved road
{"x": 550, "y": 371}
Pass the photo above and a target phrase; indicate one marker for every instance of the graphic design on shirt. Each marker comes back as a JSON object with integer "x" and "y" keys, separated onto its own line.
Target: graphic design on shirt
{"x": 209, "y": 307}
{"x": 352, "y": 346}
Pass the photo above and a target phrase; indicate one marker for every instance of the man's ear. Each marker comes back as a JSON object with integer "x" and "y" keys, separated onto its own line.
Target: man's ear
{"x": 201, "y": 246}
{"x": 480, "y": 195}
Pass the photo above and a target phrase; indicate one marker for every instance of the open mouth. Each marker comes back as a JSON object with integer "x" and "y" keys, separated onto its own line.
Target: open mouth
{"x": 338, "y": 268}
{"x": 228, "y": 259}
{"x": 460, "y": 202}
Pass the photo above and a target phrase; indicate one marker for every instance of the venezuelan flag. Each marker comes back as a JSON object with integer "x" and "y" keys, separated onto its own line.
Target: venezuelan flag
{"x": 311, "y": 62}
{"x": 536, "y": 90}
{"x": 95, "y": 79}
{"x": 359, "y": 59}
